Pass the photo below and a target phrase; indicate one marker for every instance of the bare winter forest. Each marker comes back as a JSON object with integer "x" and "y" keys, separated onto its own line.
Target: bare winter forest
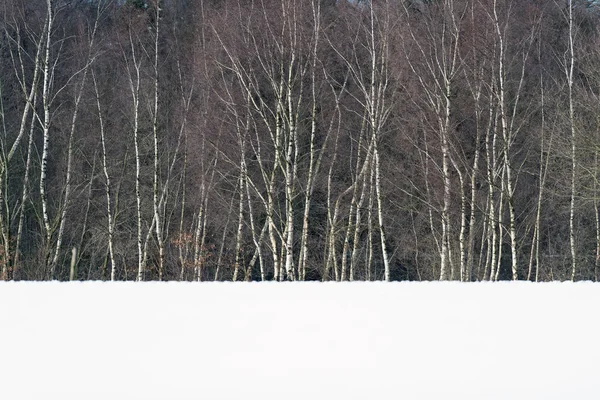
{"x": 300, "y": 140}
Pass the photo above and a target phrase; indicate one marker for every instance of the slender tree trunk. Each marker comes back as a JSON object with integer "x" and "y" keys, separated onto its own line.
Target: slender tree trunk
{"x": 477, "y": 94}
{"x": 4, "y": 225}
{"x": 569, "y": 72}
{"x": 357, "y": 228}
{"x": 257, "y": 242}
{"x": 384, "y": 252}
{"x": 199, "y": 238}
{"x": 84, "y": 226}
{"x": 201, "y": 221}
{"x": 330, "y": 256}
{"x": 492, "y": 174}
{"x": 107, "y": 185}
{"x": 463, "y": 223}
{"x": 500, "y": 226}
{"x": 135, "y": 93}
{"x": 485, "y": 250}
{"x": 314, "y": 162}
{"x": 446, "y": 199}
{"x": 543, "y": 169}
{"x": 506, "y": 144}
{"x": 155, "y": 198}
{"x": 597, "y": 216}
{"x": 223, "y": 239}
{"x": 184, "y": 240}
{"x": 425, "y": 160}
{"x": 369, "y": 260}
{"x": 346, "y": 246}
{"x": 240, "y": 227}
{"x": 24, "y": 198}
{"x": 47, "y": 82}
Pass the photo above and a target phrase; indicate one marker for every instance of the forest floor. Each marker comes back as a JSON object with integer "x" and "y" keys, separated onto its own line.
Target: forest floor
{"x": 370, "y": 341}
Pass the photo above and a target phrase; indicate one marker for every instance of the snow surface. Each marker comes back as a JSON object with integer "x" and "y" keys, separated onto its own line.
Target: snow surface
{"x": 264, "y": 341}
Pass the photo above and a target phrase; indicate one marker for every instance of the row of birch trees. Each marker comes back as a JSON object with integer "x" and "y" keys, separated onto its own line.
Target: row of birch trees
{"x": 300, "y": 140}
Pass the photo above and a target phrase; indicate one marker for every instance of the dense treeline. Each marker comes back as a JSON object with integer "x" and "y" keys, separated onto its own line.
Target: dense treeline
{"x": 300, "y": 140}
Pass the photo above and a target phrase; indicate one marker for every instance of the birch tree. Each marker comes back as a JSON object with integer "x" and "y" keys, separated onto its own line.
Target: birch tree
{"x": 282, "y": 63}
{"x": 133, "y": 67}
{"x": 46, "y": 104}
{"x": 508, "y": 114}
{"x": 569, "y": 66}
{"x": 29, "y": 91}
{"x": 78, "y": 95}
{"x": 441, "y": 62}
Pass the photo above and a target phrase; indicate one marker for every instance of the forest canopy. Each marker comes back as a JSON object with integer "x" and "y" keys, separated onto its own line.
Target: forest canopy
{"x": 300, "y": 140}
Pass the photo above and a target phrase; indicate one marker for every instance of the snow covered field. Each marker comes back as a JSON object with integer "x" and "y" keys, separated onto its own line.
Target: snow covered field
{"x": 263, "y": 341}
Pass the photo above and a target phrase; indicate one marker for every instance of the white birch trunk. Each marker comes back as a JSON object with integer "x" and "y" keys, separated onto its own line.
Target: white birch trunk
{"x": 446, "y": 198}
{"x": 134, "y": 86}
{"x": 240, "y": 227}
{"x": 47, "y": 82}
{"x": 569, "y": 72}
{"x": 314, "y": 162}
{"x": 107, "y": 185}
{"x": 257, "y": 242}
{"x": 491, "y": 157}
{"x": 369, "y": 255}
{"x": 596, "y": 217}
{"x": 330, "y": 256}
{"x": 507, "y": 138}
{"x": 542, "y": 173}
{"x": 155, "y": 200}
{"x": 463, "y": 223}
{"x": 386, "y": 262}
{"x": 24, "y": 197}
{"x": 357, "y": 227}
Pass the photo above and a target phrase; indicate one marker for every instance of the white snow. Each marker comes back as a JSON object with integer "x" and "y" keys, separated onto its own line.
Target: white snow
{"x": 264, "y": 341}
